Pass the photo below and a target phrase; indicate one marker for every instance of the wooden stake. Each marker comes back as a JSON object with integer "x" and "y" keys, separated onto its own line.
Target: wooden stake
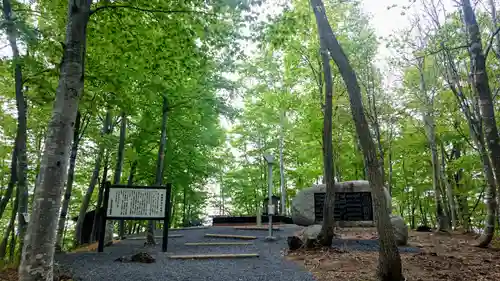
{"x": 169, "y": 236}
{"x": 215, "y": 256}
{"x": 217, "y": 243}
{"x": 255, "y": 228}
{"x": 231, "y": 236}
{"x": 189, "y": 227}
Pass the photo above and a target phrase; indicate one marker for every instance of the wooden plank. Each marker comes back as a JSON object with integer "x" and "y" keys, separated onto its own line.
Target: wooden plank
{"x": 255, "y": 228}
{"x": 244, "y": 237}
{"x": 215, "y": 256}
{"x": 189, "y": 227}
{"x": 144, "y": 237}
{"x": 217, "y": 243}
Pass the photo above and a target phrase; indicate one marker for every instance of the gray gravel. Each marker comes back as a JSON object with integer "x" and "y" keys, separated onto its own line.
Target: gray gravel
{"x": 270, "y": 265}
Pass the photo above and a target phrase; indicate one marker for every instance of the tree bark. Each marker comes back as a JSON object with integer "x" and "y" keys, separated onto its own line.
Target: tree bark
{"x": 93, "y": 182}
{"x": 327, "y": 232}
{"x": 69, "y": 185}
{"x": 10, "y": 227}
{"x": 389, "y": 268}
{"x": 429, "y": 123}
{"x": 21, "y": 139}
{"x": 463, "y": 205}
{"x": 100, "y": 196}
{"x": 150, "y": 238}
{"x": 494, "y": 19}
{"x": 12, "y": 182}
{"x": 38, "y": 252}
{"x": 449, "y": 189}
{"x": 119, "y": 163}
{"x": 282, "y": 163}
{"x": 483, "y": 94}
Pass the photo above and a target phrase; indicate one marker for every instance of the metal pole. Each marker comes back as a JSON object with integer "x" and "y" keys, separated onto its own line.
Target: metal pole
{"x": 270, "y": 210}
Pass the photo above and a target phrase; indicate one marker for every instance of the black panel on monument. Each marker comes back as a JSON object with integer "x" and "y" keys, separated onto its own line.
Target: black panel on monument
{"x": 349, "y": 206}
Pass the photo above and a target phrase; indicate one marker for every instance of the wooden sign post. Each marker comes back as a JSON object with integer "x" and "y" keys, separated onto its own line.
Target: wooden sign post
{"x": 129, "y": 202}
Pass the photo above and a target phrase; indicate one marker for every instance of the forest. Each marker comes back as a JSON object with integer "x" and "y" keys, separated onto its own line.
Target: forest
{"x": 194, "y": 92}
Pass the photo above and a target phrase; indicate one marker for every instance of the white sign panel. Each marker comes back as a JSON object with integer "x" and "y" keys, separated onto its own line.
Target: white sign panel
{"x": 136, "y": 202}
{"x": 270, "y": 209}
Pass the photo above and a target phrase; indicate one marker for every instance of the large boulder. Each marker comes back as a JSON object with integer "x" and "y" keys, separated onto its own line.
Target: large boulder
{"x": 400, "y": 230}
{"x": 303, "y": 203}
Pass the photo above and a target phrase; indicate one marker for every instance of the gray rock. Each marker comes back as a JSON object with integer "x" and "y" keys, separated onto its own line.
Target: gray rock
{"x": 303, "y": 203}
{"x": 400, "y": 230}
{"x": 306, "y": 237}
{"x": 311, "y": 232}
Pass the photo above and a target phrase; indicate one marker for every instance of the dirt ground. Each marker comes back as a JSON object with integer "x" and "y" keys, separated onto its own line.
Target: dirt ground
{"x": 442, "y": 257}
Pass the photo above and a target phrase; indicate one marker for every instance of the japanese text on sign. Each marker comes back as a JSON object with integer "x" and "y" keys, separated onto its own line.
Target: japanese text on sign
{"x": 136, "y": 202}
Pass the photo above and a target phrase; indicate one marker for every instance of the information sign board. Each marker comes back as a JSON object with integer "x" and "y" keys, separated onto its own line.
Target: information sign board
{"x": 136, "y": 203}
{"x": 124, "y": 202}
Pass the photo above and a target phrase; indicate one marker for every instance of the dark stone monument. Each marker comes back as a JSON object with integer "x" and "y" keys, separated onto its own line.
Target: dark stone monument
{"x": 349, "y": 206}
{"x": 353, "y": 204}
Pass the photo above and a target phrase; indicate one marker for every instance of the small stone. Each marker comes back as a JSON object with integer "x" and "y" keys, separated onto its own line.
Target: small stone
{"x": 141, "y": 257}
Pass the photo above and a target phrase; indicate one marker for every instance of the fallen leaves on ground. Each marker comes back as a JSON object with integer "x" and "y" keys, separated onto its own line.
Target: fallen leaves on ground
{"x": 89, "y": 247}
{"x": 8, "y": 274}
{"x": 442, "y": 257}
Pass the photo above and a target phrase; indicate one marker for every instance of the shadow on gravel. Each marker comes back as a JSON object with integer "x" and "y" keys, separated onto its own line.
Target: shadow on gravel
{"x": 366, "y": 246}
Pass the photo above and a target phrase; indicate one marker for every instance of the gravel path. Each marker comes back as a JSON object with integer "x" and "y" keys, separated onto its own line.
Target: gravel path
{"x": 269, "y": 266}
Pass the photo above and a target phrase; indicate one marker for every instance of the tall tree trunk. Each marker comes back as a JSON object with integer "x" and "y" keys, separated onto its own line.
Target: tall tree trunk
{"x": 150, "y": 238}
{"x": 12, "y": 245}
{"x": 38, "y": 254}
{"x": 221, "y": 186}
{"x": 12, "y": 182}
{"x": 100, "y": 196}
{"x": 69, "y": 186}
{"x": 463, "y": 205}
{"x": 10, "y": 227}
{"x": 389, "y": 180}
{"x": 430, "y": 127}
{"x": 449, "y": 189}
{"x": 119, "y": 162}
{"x": 93, "y": 182}
{"x": 184, "y": 203}
{"x": 130, "y": 225}
{"x": 282, "y": 164}
{"x": 130, "y": 181}
{"x": 483, "y": 94}
{"x": 497, "y": 54}
{"x": 494, "y": 19}
{"x": 22, "y": 160}
{"x": 327, "y": 233}
{"x": 389, "y": 268}
{"x": 372, "y": 104}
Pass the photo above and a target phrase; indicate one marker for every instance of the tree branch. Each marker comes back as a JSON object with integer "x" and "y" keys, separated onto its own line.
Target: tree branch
{"x": 490, "y": 44}
{"x": 434, "y": 52}
{"x": 147, "y": 10}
